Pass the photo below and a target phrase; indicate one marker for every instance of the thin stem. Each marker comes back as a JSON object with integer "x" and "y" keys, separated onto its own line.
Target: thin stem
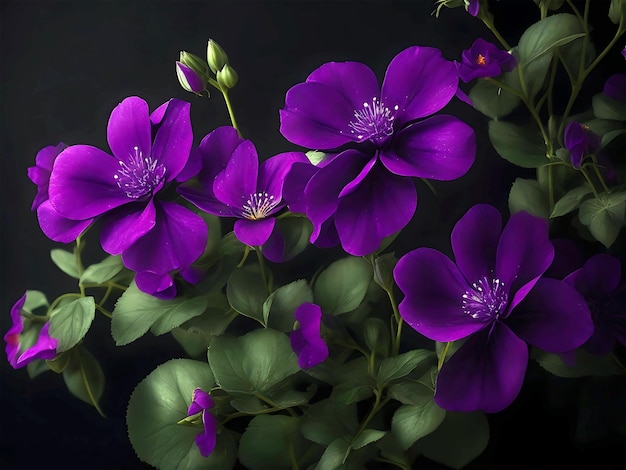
{"x": 104, "y": 312}
{"x": 259, "y": 255}
{"x": 442, "y": 357}
{"x": 593, "y": 188}
{"x": 231, "y": 112}
{"x": 56, "y": 301}
{"x": 598, "y": 174}
{"x": 269, "y": 401}
{"x": 487, "y": 21}
{"x": 398, "y": 321}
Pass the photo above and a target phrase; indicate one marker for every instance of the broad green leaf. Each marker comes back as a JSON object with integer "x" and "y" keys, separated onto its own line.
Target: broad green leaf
{"x": 604, "y": 215}
{"x": 411, "y": 392}
{"x": 246, "y": 292}
{"x": 65, "y": 261}
{"x": 570, "y": 201}
{"x": 102, "y": 272}
{"x": 342, "y": 286}
{"x": 412, "y": 422}
{"x": 458, "y": 440}
{"x": 296, "y": 232}
{"x": 248, "y": 404}
{"x": 35, "y": 299}
{"x": 605, "y": 107}
{"x": 181, "y": 312}
{"x": 255, "y": 362}
{"x": 527, "y": 195}
{"x": 586, "y": 364}
{"x": 349, "y": 392}
{"x": 518, "y": 146}
{"x": 366, "y": 437}
{"x": 491, "y": 100}
{"x": 334, "y": 455}
{"x": 84, "y": 377}
{"x": 376, "y": 335}
{"x": 383, "y": 271}
{"x": 36, "y": 368}
{"x": 279, "y": 307}
{"x": 399, "y": 366}
{"x": 158, "y": 403}
{"x": 266, "y": 442}
{"x": 70, "y": 323}
{"x": 328, "y": 420}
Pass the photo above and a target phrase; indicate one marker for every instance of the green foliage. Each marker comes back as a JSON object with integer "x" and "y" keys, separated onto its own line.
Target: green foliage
{"x": 605, "y": 215}
{"x": 492, "y": 100}
{"x": 65, "y": 261}
{"x": 296, "y": 232}
{"x": 84, "y": 377}
{"x": 517, "y": 145}
{"x": 279, "y": 307}
{"x": 247, "y": 292}
{"x": 102, "y": 272}
{"x": 399, "y": 366}
{"x": 570, "y": 201}
{"x": 527, "y": 195}
{"x": 70, "y": 322}
{"x": 585, "y": 364}
{"x": 342, "y": 286}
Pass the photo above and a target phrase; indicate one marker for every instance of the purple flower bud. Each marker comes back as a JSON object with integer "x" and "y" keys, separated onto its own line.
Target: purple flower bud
{"x": 306, "y": 342}
{"x": 483, "y": 60}
{"x": 189, "y": 79}
{"x": 472, "y": 7}
{"x": 202, "y": 402}
{"x": 580, "y": 141}
{"x": 615, "y": 87}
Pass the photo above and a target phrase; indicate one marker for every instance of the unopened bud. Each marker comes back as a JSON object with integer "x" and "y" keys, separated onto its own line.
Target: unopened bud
{"x": 227, "y": 77}
{"x": 195, "y": 63}
{"x": 216, "y": 57}
{"x": 189, "y": 79}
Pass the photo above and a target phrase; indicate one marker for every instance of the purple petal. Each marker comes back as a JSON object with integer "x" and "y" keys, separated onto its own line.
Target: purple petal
{"x": 207, "y": 202}
{"x": 40, "y": 173}
{"x": 192, "y": 167}
{"x": 475, "y": 242}
{"x": 44, "y": 348}
{"x": 159, "y": 285}
{"x": 433, "y": 289}
{"x": 355, "y": 81}
{"x": 129, "y": 127}
{"x": 206, "y": 439}
{"x": 254, "y": 232}
{"x": 326, "y": 236}
{"x": 615, "y": 86}
{"x": 201, "y": 400}
{"x": 12, "y": 336}
{"x": 192, "y": 79}
{"x": 216, "y": 149}
{"x": 553, "y": 317}
{"x": 524, "y": 252}
{"x": 295, "y": 182}
{"x": 598, "y": 278}
{"x": 367, "y": 215}
{"x": 122, "y": 228}
{"x": 420, "y": 82}
{"x": 273, "y": 171}
{"x": 441, "y": 148}
{"x": 274, "y": 248}
{"x": 156, "y": 116}
{"x": 486, "y": 373}
{"x": 178, "y": 239}
{"x": 174, "y": 138}
{"x": 82, "y": 184}
{"x": 576, "y": 141}
{"x": 306, "y": 342}
{"x": 473, "y": 7}
{"x": 567, "y": 258}
{"x": 58, "y": 228}
{"x": 238, "y": 181}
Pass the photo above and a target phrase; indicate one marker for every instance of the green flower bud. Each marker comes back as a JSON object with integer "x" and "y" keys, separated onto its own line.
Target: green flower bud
{"x": 216, "y": 57}
{"x": 195, "y": 63}
{"x": 549, "y": 4}
{"x": 617, "y": 11}
{"x": 227, "y": 77}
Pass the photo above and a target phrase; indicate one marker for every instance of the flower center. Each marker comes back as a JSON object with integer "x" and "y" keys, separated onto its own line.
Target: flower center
{"x": 140, "y": 175}
{"x": 481, "y": 60}
{"x": 486, "y": 300}
{"x": 259, "y": 205}
{"x": 374, "y": 122}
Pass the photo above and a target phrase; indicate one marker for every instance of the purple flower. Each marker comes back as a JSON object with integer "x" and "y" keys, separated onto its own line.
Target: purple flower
{"x": 483, "y": 59}
{"x": 19, "y": 354}
{"x": 599, "y": 283}
{"x": 54, "y": 225}
{"x": 153, "y": 236}
{"x": 306, "y": 341}
{"x": 233, "y": 184}
{"x": 189, "y": 79}
{"x": 472, "y": 7}
{"x": 373, "y": 142}
{"x": 580, "y": 141}
{"x": 494, "y": 297}
{"x": 624, "y": 52}
{"x": 615, "y": 87}
{"x": 202, "y": 402}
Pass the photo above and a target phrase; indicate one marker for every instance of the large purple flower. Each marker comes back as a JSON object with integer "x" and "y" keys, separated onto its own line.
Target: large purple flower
{"x": 306, "y": 341}
{"x": 483, "y": 59}
{"x": 233, "y": 184}
{"x": 20, "y": 352}
{"x": 495, "y": 297}
{"x": 154, "y": 236}
{"x": 202, "y": 403}
{"x": 361, "y": 194}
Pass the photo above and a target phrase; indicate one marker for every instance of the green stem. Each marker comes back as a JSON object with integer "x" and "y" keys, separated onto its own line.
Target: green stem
{"x": 443, "y": 355}
{"x": 64, "y": 296}
{"x": 487, "y": 21}
{"x": 231, "y": 112}
{"x": 398, "y": 321}
{"x": 104, "y": 312}
{"x": 259, "y": 255}
{"x": 593, "y": 188}
{"x": 269, "y": 401}
{"x": 598, "y": 174}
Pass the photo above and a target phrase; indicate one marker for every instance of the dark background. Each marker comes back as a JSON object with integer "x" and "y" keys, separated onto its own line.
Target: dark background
{"x": 64, "y": 67}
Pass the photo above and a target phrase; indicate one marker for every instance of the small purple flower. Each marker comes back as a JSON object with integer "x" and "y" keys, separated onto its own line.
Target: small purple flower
{"x": 153, "y": 236}
{"x": 189, "y": 79}
{"x": 483, "y": 59}
{"x": 20, "y": 354}
{"x": 472, "y": 7}
{"x": 495, "y": 297}
{"x": 599, "y": 283}
{"x": 624, "y": 52}
{"x": 233, "y": 184}
{"x": 306, "y": 341}
{"x": 615, "y": 87}
{"x": 202, "y": 402}
{"x": 580, "y": 141}
{"x": 373, "y": 141}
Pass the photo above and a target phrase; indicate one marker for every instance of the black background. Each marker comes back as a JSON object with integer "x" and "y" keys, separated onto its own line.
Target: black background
{"x": 65, "y": 65}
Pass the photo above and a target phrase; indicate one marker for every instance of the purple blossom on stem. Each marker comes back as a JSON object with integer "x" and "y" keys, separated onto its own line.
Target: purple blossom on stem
{"x": 373, "y": 140}
{"x": 154, "y": 236}
{"x": 580, "y": 141}
{"x": 202, "y": 402}
{"x": 483, "y": 59}
{"x": 189, "y": 79}
{"x": 306, "y": 341}
{"x": 615, "y": 87}
{"x": 472, "y": 7}
{"x": 20, "y": 355}
{"x": 495, "y": 298}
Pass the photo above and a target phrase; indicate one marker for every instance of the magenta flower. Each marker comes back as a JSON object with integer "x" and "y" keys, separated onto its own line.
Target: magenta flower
{"x": 233, "y": 184}
{"x": 306, "y": 341}
{"x": 580, "y": 141}
{"x": 483, "y": 59}
{"x": 472, "y": 7}
{"x": 495, "y": 298}
{"x": 615, "y": 87}
{"x": 374, "y": 141}
{"x": 154, "y": 236}
{"x": 54, "y": 225}
{"x": 20, "y": 354}
{"x": 599, "y": 283}
{"x": 202, "y": 402}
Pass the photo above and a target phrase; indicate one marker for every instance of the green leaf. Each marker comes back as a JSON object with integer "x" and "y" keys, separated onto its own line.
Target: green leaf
{"x": 412, "y": 422}
{"x": 399, "y": 366}
{"x": 70, "y": 323}
{"x": 102, "y": 272}
{"x": 342, "y": 286}
{"x": 328, "y": 420}
{"x": 518, "y": 146}
{"x": 411, "y": 393}
{"x": 458, "y": 440}
{"x": 605, "y": 107}
{"x": 266, "y": 442}
{"x": 604, "y": 215}
{"x": 35, "y": 299}
{"x": 491, "y": 100}
{"x": 179, "y": 313}
{"x": 255, "y": 362}
{"x": 246, "y": 292}
{"x": 586, "y": 364}
{"x": 383, "y": 271}
{"x": 570, "y": 201}
{"x": 349, "y": 392}
{"x": 36, "y": 368}
{"x": 65, "y": 261}
{"x": 377, "y": 336}
{"x": 158, "y": 403}
{"x": 527, "y": 195}
{"x": 296, "y": 232}
{"x": 334, "y": 455}
{"x": 366, "y": 437}
{"x": 279, "y": 307}
{"x": 84, "y": 377}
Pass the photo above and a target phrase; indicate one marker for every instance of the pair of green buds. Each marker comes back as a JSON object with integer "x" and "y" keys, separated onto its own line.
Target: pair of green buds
{"x": 194, "y": 73}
